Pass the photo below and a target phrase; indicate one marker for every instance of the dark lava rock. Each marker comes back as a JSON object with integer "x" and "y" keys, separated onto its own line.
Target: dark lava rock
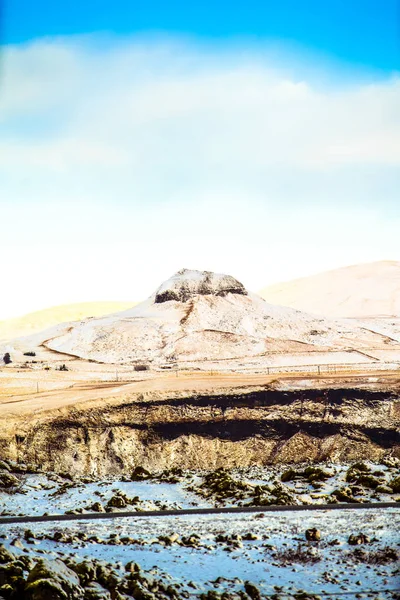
{"x": 8, "y": 481}
{"x": 97, "y": 507}
{"x": 221, "y": 485}
{"x": 395, "y": 484}
{"x": 316, "y": 474}
{"x": 384, "y": 489}
{"x": 380, "y": 557}
{"x": 356, "y": 470}
{"x": 94, "y": 591}
{"x": 140, "y": 474}
{"x": 252, "y": 591}
{"x": 289, "y": 475}
{"x": 117, "y": 501}
{"x": 187, "y": 284}
{"x": 52, "y": 579}
{"x": 361, "y": 538}
{"x": 368, "y": 481}
{"x": 344, "y": 495}
{"x": 85, "y": 570}
{"x": 132, "y": 567}
{"x": 10, "y": 571}
{"x": 313, "y": 535}
{"x": 5, "y": 555}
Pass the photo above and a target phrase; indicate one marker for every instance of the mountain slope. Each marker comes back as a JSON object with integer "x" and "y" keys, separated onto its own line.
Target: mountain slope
{"x": 359, "y": 291}
{"x": 197, "y": 317}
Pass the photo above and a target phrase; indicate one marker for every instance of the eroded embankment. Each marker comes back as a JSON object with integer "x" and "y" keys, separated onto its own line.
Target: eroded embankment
{"x": 259, "y": 427}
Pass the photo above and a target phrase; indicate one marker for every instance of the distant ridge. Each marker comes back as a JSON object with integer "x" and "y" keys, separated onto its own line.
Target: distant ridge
{"x": 359, "y": 291}
{"x": 42, "y": 319}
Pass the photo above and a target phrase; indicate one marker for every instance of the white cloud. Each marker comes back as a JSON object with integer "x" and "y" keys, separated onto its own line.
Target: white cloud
{"x": 123, "y": 162}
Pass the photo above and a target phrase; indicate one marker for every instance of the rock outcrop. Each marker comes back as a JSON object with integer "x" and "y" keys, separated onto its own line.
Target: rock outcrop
{"x": 187, "y": 284}
{"x": 231, "y": 429}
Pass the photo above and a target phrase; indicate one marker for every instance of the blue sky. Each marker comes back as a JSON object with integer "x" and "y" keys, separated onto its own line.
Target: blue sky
{"x": 359, "y": 31}
{"x": 259, "y": 139}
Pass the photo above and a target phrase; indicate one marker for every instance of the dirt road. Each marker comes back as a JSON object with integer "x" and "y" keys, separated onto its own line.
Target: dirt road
{"x": 67, "y": 393}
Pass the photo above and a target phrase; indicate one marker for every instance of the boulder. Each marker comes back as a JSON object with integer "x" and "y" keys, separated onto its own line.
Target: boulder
{"x": 395, "y": 485}
{"x": 94, "y": 591}
{"x": 356, "y": 540}
{"x": 313, "y": 535}
{"x": 8, "y": 481}
{"x": 140, "y": 474}
{"x": 53, "y": 580}
{"x": 252, "y": 591}
{"x": 5, "y": 555}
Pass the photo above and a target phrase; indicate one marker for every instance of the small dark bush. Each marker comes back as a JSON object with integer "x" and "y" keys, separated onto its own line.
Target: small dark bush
{"x": 300, "y": 554}
{"x": 30, "y": 353}
{"x": 379, "y": 557}
{"x": 7, "y": 358}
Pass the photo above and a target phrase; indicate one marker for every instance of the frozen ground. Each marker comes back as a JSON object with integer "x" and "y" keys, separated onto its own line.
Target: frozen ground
{"x": 40, "y": 494}
{"x": 278, "y": 559}
{"x": 212, "y": 554}
{"x": 37, "y": 494}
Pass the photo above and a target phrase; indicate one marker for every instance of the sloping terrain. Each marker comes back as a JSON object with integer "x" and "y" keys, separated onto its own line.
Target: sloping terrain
{"x": 197, "y": 317}
{"x": 42, "y": 319}
{"x": 359, "y": 291}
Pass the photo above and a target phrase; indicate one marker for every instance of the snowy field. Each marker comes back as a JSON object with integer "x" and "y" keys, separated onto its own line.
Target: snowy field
{"x": 215, "y": 552}
{"x": 283, "y": 555}
{"x": 39, "y": 493}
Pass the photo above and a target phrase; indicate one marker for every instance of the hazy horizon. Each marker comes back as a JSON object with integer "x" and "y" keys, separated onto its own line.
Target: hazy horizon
{"x": 265, "y": 145}
{"x": 134, "y": 301}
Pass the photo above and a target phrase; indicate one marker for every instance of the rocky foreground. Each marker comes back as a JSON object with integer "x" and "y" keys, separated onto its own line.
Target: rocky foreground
{"x": 235, "y": 558}
{"x": 285, "y": 556}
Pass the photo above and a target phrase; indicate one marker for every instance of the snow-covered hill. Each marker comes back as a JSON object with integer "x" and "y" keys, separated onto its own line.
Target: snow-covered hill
{"x": 359, "y": 291}
{"x": 198, "y": 316}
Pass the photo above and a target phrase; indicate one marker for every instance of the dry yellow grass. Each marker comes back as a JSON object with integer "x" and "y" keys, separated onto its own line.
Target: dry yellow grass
{"x": 40, "y": 320}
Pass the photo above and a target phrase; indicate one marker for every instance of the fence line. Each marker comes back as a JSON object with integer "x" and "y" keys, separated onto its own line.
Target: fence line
{"x": 306, "y": 369}
{"x": 257, "y": 370}
{"x": 333, "y": 368}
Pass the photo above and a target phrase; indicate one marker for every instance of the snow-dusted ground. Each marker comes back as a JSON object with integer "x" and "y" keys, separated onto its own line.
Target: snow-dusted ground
{"x": 265, "y": 561}
{"x": 40, "y": 494}
{"x": 268, "y": 549}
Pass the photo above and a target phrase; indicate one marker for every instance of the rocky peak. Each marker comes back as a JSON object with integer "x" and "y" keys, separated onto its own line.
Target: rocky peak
{"x": 186, "y": 284}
